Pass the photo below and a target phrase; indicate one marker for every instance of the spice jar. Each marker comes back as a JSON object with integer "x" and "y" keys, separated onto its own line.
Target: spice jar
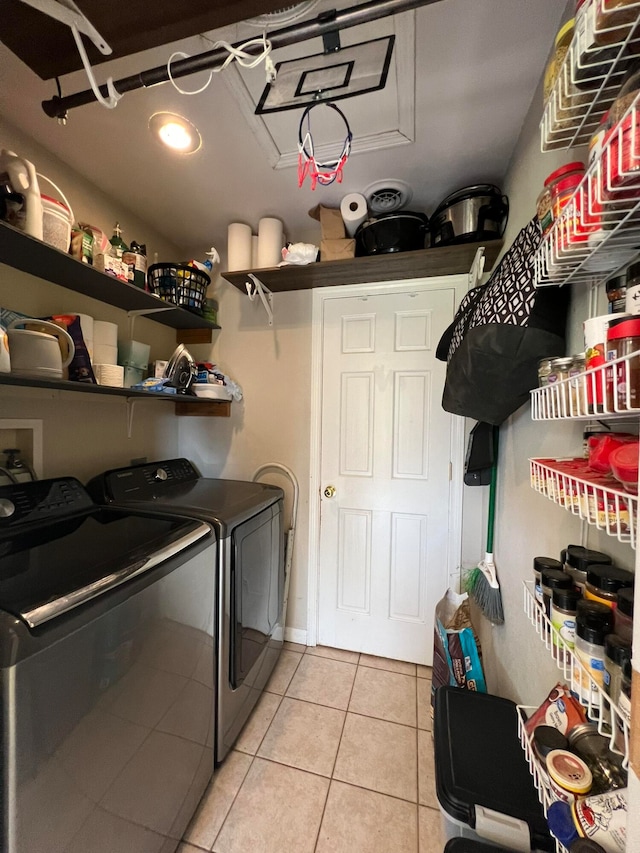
{"x": 559, "y": 371}
{"x": 544, "y": 369}
{"x": 616, "y": 288}
{"x": 632, "y": 290}
{"x": 562, "y": 42}
{"x": 564, "y": 604}
{"x": 540, "y": 563}
{"x": 595, "y": 340}
{"x": 624, "y": 707}
{"x": 577, "y": 385}
{"x": 546, "y": 739}
{"x": 623, "y": 338}
{"x": 623, "y": 614}
{"x": 577, "y": 558}
{"x": 551, "y": 579}
{"x": 544, "y": 211}
{"x": 562, "y": 184}
{"x": 569, "y": 775}
{"x": 616, "y": 652}
{"x": 593, "y": 622}
{"x": 603, "y": 583}
{"x": 593, "y": 749}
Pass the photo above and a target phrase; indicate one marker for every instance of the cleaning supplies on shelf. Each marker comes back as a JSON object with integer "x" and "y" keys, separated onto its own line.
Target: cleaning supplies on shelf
{"x": 19, "y": 175}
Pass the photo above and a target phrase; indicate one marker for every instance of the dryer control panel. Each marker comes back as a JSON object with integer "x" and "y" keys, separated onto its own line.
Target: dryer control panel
{"x": 141, "y": 482}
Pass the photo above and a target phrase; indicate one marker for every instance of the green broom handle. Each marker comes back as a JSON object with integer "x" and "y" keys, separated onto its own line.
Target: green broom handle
{"x": 492, "y": 492}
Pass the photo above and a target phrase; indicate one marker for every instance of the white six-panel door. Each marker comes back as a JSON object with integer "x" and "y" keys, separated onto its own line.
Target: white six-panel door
{"x": 385, "y": 472}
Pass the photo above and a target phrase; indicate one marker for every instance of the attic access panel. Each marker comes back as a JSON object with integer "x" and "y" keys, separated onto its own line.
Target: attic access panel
{"x": 345, "y": 73}
{"x": 128, "y": 26}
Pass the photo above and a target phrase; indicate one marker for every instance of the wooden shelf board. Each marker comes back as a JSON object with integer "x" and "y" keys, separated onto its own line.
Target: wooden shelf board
{"x": 396, "y": 266}
{"x": 184, "y": 405}
{"x": 32, "y": 256}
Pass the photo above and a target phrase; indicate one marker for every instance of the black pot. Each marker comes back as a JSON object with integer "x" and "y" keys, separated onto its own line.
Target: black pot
{"x": 470, "y": 215}
{"x": 393, "y": 232}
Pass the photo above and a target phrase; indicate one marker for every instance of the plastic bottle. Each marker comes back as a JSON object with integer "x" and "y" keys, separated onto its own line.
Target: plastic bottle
{"x": 21, "y": 174}
{"x": 118, "y": 246}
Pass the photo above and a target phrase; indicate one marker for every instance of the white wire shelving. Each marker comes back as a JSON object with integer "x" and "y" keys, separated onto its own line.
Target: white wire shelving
{"x": 607, "y": 391}
{"x": 591, "y": 73}
{"x": 595, "y": 499}
{"x": 610, "y": 720}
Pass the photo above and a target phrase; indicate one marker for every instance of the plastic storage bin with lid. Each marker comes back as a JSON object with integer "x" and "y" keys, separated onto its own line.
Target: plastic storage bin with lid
{"x": 485, "y": 790}
{"x": 464, "y": 845}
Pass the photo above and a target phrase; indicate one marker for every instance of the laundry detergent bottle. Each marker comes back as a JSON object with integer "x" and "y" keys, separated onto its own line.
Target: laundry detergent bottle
{"x": 20, "y": 175}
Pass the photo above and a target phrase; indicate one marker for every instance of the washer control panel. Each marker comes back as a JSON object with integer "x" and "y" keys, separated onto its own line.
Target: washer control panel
{"x": 41, "y": 500}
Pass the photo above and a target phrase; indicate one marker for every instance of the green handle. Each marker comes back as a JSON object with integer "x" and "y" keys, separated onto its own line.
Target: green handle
{"x": 492, "y": 491}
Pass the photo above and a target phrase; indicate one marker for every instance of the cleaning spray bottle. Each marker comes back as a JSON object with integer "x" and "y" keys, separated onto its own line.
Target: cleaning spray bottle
{"x": 20, "y": 175}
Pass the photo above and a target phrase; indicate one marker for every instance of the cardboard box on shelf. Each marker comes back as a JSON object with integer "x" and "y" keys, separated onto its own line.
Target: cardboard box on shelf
{"x": 331, "y": 222}
{"x": 337, "y": 250}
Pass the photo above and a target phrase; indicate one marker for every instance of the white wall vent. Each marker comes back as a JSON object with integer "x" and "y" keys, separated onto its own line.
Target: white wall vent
{"x": 387, "y": 195}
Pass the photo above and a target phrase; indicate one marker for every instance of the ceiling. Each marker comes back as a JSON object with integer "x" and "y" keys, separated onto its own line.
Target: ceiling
{"x": 462, "y": 77}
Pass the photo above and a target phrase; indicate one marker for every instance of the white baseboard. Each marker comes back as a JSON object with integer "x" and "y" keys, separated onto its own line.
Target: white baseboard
{"x": 296, "y": 635}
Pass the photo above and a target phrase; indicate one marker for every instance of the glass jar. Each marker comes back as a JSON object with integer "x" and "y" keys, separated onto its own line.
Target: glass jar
{"x": 623, "y": 338}
{"x": 592, "y": 62}
{"x": 577, "y": 385}
{"x": 551, "y": 579}
{"x": 544, "y": 211}
{"x": 544, "y": 369}
{"x": 593, "y": 749}
{"x": 632, "y": 290}
{"x": 562, "y": 183}
{"x": 623, "y": 155}
{"x": 539, "y": 564}
{"x": 617, "y": 295}
{"x": 614, "y": 20}
{"x": 576, "y": 560}
{"x": 559, "y": 371}
{"x": 616, "y": 652}
{"x": 624, "y": 706}
{"x": 561, "y": 47}
{"x": 623, "y": 614}
{"x": 603, "y": 583}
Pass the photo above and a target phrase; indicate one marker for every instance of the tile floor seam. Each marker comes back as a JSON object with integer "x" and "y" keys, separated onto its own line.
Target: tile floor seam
{"x": 213, "y": 843}
{"x": 315, "y": 846}
{"x": 381, "y": 793}
{"x": 383, "y": 669}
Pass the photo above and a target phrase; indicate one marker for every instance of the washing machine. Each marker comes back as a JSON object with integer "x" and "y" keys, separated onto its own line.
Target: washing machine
{"x": 106, "y": 685}
{"x": 249, "y": 571}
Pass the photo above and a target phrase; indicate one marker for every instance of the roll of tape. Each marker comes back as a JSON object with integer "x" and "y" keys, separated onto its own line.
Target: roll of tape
{"x": 105, "y": 333}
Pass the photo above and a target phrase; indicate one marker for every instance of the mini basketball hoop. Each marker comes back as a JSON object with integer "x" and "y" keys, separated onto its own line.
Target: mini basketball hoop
{"x": 320, "y": 173}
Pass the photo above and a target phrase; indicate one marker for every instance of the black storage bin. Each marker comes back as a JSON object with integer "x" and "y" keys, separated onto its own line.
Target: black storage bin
{"x": 483, "y": 781}
{"x": 464, "y": 845}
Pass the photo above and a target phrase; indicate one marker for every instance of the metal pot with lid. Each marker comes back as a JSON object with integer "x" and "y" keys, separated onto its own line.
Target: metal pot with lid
{"x": 469, "y": 215}
{"x": 404, "y": 231}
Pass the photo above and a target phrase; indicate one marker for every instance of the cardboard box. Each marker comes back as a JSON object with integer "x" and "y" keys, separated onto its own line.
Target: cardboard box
{"x": 331, "y": 221}
{"x": 337, "y": 250}
{"x": 111, "y": 266}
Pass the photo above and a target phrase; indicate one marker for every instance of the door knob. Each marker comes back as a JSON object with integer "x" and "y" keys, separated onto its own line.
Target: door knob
{"x": 329, "y": 491}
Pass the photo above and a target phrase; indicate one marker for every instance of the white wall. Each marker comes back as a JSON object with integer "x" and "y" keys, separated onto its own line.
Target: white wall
{"x": 83, "y": 435}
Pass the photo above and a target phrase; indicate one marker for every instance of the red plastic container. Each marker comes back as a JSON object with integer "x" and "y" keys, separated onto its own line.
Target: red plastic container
{"x": 602, "y": 446}
{"x": 624, "y": 465}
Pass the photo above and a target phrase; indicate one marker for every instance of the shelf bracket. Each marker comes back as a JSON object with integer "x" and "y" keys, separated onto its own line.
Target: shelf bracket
{"x": 141, "y": 312}
{"x": 477, "y": 268}
{"x": 68, "y": 13}
{"x": 256, "y": 288}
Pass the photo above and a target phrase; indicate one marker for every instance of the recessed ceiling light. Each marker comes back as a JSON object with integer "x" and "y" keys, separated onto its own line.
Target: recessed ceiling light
{"x": 175, "y": 132}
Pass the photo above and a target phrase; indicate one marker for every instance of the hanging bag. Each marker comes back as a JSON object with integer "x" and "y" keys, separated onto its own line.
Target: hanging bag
{"x": 499, "y": 334}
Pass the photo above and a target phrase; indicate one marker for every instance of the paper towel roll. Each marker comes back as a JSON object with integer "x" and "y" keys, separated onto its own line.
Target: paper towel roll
{"x": 254, "y": 251}
{"x": 104, "y": 354}
{"x": 353, "y": 208}
{"x": 105, "y": 333}
{"x": 109, "y": 374}
{"x": 269, "y": 242}
{"x": 238, "y": 247}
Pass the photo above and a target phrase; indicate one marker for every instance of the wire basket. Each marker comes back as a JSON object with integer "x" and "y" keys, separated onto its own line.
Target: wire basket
{"x": 179, "y": 283}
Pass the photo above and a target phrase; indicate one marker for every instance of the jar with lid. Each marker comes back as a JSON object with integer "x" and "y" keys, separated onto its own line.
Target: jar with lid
{"x": 593, "y": 749}
{"x": 551, "y": 579}
{"x": 561, "y": 48}
{"x": 560, "y": 190}
{"x": 558, "y": 372}
{"x": 623, "y": 614}
{"x": 623, "y": 154}
{"x": 544, "y": 369}
{"x": 576, "y": 560}
{"x": 546, "y": 739}
{"x": 544, "y": 210}
{"x": 540, "y": 563}
{"x": 604, "y": 582}
{"x": 616, "y": 288}
{"x": 593, "y": 622}
{"x": 592, "y": 62}
{"x": 569, "y": 775}
{"x": 624, "y": 707}
{"x": 564, "y": 605}
{"x": 595, "y": 341}
{"x": 614, "y": 20}
{"x": 616, "y": 652}
{"x": 623, "y": 338}
{"x": 577, "y": 385}
{"x": 632, "y": 290}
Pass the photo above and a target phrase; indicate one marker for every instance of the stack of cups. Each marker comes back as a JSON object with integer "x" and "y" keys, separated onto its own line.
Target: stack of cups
{"x": 105, "y": 354}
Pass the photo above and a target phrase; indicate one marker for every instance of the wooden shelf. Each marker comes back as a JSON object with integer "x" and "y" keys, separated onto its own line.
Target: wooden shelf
{"x": 396, "y": 266}
{"x": 32, "y": 256}
{"x": 184, "y": 404}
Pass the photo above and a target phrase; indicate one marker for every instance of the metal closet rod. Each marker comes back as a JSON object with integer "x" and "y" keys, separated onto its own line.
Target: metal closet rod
{"x": 57, "y": 107}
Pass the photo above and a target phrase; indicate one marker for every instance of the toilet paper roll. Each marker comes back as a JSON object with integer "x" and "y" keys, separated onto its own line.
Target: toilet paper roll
{"x": 109, "y": 374}
{"x": 270, "y": 234}
{"x": 103, "y": 354}
{"x": 353, "y": 208}
{"x": 254, "y": 251}
{"x": 238, "y": 247}
{"x": 105, "y": 333}
{"x": 86, "y": 324}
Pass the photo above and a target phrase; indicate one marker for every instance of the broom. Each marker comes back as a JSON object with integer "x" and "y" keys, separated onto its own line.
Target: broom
{"x": 482, "y": 583}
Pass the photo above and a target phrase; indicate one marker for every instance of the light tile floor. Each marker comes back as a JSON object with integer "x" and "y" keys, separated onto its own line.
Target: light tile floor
{"x": 336, "y": 758}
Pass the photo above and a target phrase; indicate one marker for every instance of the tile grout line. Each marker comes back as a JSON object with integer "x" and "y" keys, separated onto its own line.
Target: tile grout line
{"x": 417, "y": 763}
{"x": 255, "y": 754}
{"x": 344, "y": 722}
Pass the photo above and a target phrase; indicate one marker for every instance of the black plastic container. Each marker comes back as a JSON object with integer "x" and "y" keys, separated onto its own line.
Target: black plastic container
{"x": 464, "y": 845}
{"x": 479, "y": 763}
{"x": 403, "y": 231}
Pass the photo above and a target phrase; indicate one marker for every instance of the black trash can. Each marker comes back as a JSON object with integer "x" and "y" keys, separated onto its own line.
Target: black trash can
{"x": 465, "y": 845}
{"x": 485, "y": 790}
